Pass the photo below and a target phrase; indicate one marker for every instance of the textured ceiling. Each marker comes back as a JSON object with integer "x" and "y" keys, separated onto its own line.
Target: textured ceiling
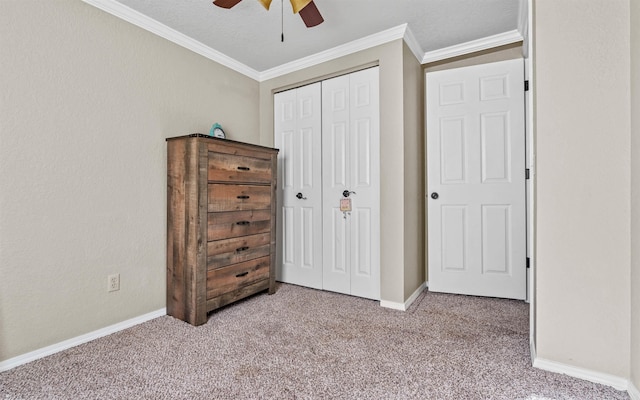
{"x": 250, "y": 34}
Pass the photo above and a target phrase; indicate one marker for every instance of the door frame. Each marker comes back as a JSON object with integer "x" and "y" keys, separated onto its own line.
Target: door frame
{"x": 526, "y": 29}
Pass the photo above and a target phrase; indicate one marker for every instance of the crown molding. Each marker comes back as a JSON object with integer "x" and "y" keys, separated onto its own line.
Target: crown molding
{"x": 523, "y": 18}
{"x": 364, "y": 43}
{"x": 523, "y": 25}
{"x": 134, "y": 17}
{"x": 488, "y": 42}
{"x": 413, "y": 44}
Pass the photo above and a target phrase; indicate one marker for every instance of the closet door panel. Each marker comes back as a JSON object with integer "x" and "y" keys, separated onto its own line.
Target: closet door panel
{"x": 298, "y": 136}
{"x": 350, "y": 110}
{"x": 365, "y": 182}
{"x": 336, "y": 167}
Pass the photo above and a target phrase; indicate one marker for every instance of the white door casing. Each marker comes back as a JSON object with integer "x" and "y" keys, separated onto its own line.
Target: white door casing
{"x": 351, "y": 162}
{"x": 476, "y": 165}
{"x": 297, "y": 128}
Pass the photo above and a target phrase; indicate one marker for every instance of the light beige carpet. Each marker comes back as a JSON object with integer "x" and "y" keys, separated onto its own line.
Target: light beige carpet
{"x": 306, "y": 344}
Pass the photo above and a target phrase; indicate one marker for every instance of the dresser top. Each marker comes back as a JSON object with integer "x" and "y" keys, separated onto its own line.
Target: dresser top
{"x": 219, "y": 140}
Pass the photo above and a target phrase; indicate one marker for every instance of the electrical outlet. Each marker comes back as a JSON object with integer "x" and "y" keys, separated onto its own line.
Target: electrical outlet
{"x": 113, "y": 282}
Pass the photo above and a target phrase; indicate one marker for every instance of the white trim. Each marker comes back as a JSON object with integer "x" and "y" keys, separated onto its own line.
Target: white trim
{"x": 581, "y": 373}
{"x": 413, "y": 44}
{"x": 633, "y": 391}
{"x": 489, "y": 42}
{"x": 404, "y": 306}
{"x": 136, "y": 18}
{"x": 531, "y": 183}
{"x": 532, "y": 351}
{"x": 392, "y": 305}
{"x": 364, "y": 43}
{"x": 523, "y": 25}
{"x": 399, "y": 32}
{"x": 149, "y": 24}
{"x": 55, "y": 348}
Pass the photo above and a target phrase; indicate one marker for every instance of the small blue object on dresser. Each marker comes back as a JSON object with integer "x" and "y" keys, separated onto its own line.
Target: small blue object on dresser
{"x": 216, "y": 131}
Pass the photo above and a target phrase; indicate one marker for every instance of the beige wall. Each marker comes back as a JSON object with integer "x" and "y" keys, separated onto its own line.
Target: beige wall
{"x": 389, "y": 57}
{"x": 414, "y": 173}
{"x": 583, "y": 173}
{"x": 86, "y": 103}
{"x": 635, "y": 193}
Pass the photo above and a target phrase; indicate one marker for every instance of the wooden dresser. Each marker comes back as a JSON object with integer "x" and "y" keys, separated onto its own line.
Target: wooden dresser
{"x": 221, "y": 207}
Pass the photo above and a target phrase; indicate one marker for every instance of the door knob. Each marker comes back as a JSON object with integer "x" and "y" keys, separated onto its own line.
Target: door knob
{"x": 346, "y": 193}
{"x": 434, "y": 195}
{"x": 300, "y": 196}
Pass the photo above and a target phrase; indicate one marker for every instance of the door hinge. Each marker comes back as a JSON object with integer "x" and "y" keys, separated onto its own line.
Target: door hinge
{"x": 526, "y": 86}
{"x": 528, "y": 262}
{"x": 526, "y": 173}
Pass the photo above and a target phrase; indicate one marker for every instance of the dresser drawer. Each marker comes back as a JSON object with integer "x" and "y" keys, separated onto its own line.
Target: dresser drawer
{"x": 233, "y": 277}
{"x": 233, "y": 168}
{"x": 227, "y": 197}
{"x": 221, "y": 253}
{"x": 223, "y": 225}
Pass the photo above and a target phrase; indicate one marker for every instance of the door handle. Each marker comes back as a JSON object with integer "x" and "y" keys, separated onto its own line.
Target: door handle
{"x": 301, "y": 196}
{"x": 346, "y": 193}
{"x": 434, "y": 195}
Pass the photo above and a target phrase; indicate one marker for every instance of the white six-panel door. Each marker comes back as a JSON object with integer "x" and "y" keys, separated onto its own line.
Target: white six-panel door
{"x": 476, "y": 180}
{"x": 351, "y": 162}
{"x": 297, "y": 116}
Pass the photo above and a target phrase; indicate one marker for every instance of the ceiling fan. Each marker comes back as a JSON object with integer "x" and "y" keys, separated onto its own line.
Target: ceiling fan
{"x": 306, "y": 8}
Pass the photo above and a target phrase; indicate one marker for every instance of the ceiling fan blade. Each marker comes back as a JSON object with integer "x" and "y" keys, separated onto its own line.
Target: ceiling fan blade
{"x": 298, "y": 5}
{"x": 310, "y": 15}
{"x": 265, "y": 3}
{"x": 226, "y": 3}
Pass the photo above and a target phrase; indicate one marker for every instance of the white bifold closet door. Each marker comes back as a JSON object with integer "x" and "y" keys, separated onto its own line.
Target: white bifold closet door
{"x": 351, "y": 165}
{"x": 328, "y": 134}
{"x": 298, "y": 136}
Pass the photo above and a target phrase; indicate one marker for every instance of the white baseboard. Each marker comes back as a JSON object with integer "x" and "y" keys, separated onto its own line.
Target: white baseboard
{"x": 54, "y": 348}
{"x": 404, "y": 306}
{"x": 582, "y": 373}
{"x": 532, "y": 350}
{"x": 633, "y": 391}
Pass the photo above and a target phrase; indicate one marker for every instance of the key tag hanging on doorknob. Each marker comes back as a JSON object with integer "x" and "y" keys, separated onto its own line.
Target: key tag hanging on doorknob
{"x": 345, "y": 206}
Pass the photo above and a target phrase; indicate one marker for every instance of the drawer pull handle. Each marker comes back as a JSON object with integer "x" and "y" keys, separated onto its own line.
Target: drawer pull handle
{"x": 245, "y": 273}
{"x": 244, "y": 168}
{"x": 243, "y": 197}
{"x": 239, "y": 249}
{"x": 243, "y": 223}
